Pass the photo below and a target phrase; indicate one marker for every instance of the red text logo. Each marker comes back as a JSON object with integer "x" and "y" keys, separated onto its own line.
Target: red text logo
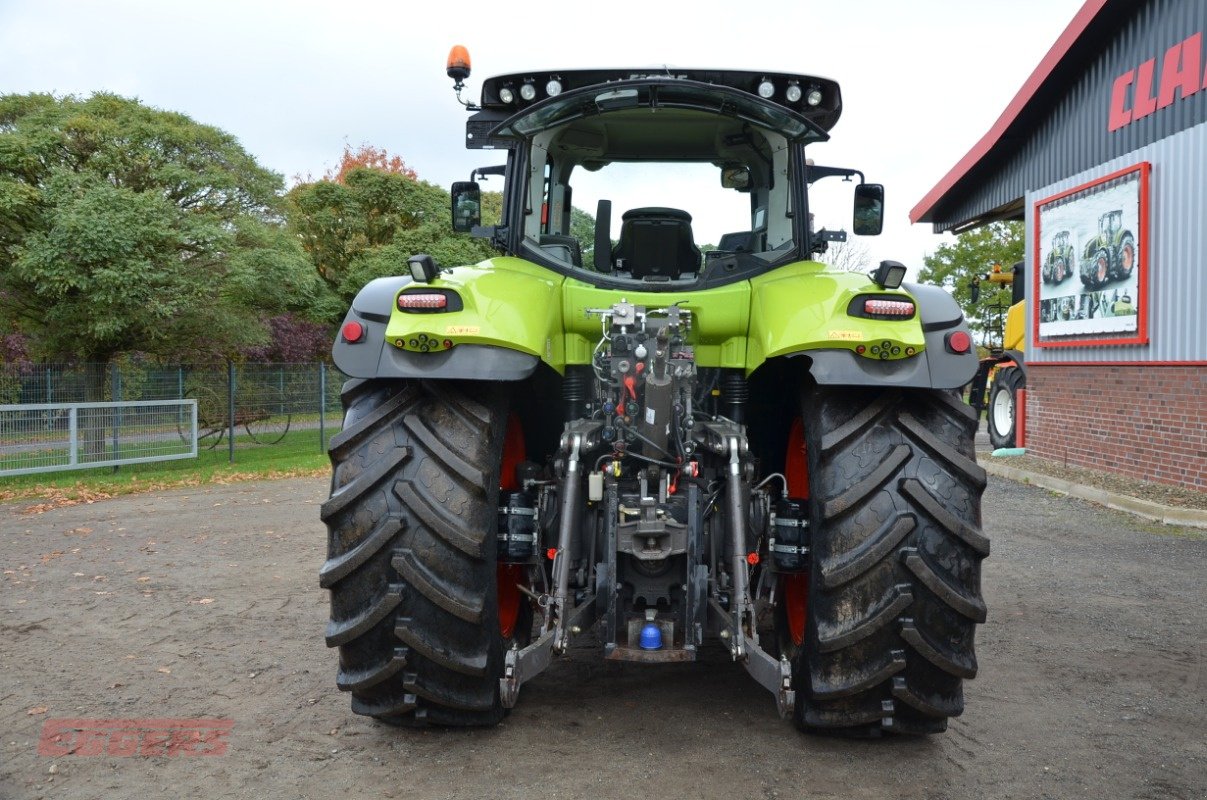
{"x": 1132, "y": 95}
{"x": 134, "y": 737}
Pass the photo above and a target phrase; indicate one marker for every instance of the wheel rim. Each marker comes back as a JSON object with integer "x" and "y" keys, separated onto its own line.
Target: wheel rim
{"x": 211, "y": 417}
{"x": 1129, "y": 258}
{"x": 1102, "y": 265}
{"x": 794, "y": 588}
{"x": 796, "y": 466}
{"x": 509, "y": 577}
{"x": 1003, "y": 411}
{"x": 795, "y": 597}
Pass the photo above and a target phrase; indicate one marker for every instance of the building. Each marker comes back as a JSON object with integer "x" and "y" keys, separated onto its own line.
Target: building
{"x": 1103, "y": 153}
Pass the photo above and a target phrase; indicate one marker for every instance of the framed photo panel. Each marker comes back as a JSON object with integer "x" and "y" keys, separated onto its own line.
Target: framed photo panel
{"x": 1091, "y": 263}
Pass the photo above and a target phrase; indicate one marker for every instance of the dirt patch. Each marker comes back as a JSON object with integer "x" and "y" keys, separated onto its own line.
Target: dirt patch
{"x": 204, "y": 604}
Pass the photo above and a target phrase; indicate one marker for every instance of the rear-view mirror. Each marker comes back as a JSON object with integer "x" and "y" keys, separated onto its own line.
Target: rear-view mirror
{"x": 467, "y": 206}
{"x": 869, "y": 209}
{"x": 736, "y": 178}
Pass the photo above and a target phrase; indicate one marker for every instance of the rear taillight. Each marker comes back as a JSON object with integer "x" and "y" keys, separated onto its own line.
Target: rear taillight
{"x": 421, "y": 301}
{"x": 958, "y": 342}
{"x": 888, "y": 308}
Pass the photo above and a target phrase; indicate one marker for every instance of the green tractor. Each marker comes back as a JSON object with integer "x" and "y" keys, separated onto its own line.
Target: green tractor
{"x": 659, "y": 447}
{"x": 1110, "y": 255}
{"x": 1059, "y": 263}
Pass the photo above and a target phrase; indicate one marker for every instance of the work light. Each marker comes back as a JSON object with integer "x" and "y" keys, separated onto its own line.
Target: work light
{"x": 423, "y": 268}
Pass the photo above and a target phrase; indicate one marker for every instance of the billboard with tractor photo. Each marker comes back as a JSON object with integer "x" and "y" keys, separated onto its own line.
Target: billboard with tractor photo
{"x": 1091, "y": 244}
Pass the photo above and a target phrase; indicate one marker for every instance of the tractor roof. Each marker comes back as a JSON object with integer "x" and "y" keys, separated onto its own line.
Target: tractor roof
{"x": 801, "y": 106}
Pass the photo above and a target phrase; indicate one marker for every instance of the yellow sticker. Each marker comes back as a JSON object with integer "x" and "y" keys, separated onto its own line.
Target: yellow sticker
{"x": 462, "y": 330}
{"x": 850, "y": 336}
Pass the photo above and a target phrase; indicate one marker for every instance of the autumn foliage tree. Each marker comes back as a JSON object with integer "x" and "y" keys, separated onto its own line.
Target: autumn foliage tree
{"x": 368, "y": 157}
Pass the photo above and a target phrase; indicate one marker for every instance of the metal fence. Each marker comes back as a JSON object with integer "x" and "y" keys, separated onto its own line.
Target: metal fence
{"x": 46, "y": 437}
{"x": 246, "y": 405}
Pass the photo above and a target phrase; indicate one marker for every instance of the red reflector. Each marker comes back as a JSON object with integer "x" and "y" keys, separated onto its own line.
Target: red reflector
{"x": 888, "y": 308}
{"x": 752, "y": 559}
{"x": 959, "y": 342}
{"x": 551, "y": 553}
{"x": 417, "y": 300}
{"x": 353, "y": 331}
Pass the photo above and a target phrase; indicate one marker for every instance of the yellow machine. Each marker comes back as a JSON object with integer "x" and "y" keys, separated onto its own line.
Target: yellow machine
{"x": 1004, "y": 371}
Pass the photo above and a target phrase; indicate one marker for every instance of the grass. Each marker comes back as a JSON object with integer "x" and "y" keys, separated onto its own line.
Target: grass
{"x": 297, "y": 455}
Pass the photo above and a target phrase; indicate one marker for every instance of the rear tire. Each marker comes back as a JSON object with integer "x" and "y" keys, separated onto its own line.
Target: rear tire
{"x": 411, "y": 551}
{"x": 1003, "y": 407}
{"x": 1127, "y": 256}
{"x": 1102, "y": 268}
{"x": 895, "y": 582}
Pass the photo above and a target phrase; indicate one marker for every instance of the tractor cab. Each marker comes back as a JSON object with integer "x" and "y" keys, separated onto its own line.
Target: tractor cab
{"x": 696, "y": 178}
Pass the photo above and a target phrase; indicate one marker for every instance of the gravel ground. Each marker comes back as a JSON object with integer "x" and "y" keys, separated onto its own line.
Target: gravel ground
{"x": 203, "y": 603}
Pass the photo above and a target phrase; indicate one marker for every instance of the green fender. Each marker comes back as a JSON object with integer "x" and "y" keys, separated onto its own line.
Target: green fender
{"x": 802, "y": 310}
{"x": 508, "y": 322}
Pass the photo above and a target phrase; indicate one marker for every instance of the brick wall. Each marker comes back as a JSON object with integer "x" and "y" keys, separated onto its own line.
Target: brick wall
{"x": 1146, "y": 421}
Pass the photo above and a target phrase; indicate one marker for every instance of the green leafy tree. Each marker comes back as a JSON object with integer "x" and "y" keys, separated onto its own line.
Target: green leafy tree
{"x": 955, "y": 266}
{"x": 582, "y": 227}
{"x": 126, "y": 228}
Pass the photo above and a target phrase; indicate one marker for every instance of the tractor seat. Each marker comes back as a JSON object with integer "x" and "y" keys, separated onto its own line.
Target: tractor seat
{"x": 657, "y": 243}
{"x": 562, "y": 247}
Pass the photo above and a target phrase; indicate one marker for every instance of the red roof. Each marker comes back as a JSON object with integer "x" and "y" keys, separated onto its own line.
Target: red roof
{"x": 1088, "y": 12}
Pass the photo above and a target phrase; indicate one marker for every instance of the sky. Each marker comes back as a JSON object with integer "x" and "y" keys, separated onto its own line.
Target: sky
{"x": 922, "y": 80}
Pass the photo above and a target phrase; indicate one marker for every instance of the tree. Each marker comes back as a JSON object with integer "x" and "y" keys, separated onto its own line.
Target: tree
{"x": 369, "y": 157}
{"x": 367, "y": 217}
{"x": 848, "y": 256}
{"x": 582, "y": 227}
{"x": 126, "y": 228}
{"x": 954, "y": 266}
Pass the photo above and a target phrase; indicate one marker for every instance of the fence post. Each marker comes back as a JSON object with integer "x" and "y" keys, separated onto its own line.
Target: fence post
{"x": 180, "y": 394}
{"x": 115, "y": 381}
{"x": 230, "y": 408}
{"x": 322, "y": 406}
{"x": 46, "y": 399}
{"x": 73, "y": 435}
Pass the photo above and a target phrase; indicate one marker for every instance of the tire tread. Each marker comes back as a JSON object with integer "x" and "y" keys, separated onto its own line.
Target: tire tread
{"x": 410, "y": 563}
{"x": 897, "y": 544}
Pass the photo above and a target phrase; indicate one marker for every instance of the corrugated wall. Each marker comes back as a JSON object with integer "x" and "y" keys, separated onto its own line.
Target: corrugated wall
{"x": 1074, "y": 136}
{"x": 1177, "y": 247}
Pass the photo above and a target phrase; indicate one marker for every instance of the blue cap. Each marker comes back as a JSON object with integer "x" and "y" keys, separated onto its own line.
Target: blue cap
{"x": 651, "y": 637}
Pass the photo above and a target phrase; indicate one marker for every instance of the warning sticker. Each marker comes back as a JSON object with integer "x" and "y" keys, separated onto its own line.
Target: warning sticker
{"x": 462, "y": 330}
{"x": 650, "y": 416}
{"x": 850, "y": 336}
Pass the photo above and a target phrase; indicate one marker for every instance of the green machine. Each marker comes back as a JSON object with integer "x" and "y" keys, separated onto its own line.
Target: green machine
{"x": 659, "y": 447}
